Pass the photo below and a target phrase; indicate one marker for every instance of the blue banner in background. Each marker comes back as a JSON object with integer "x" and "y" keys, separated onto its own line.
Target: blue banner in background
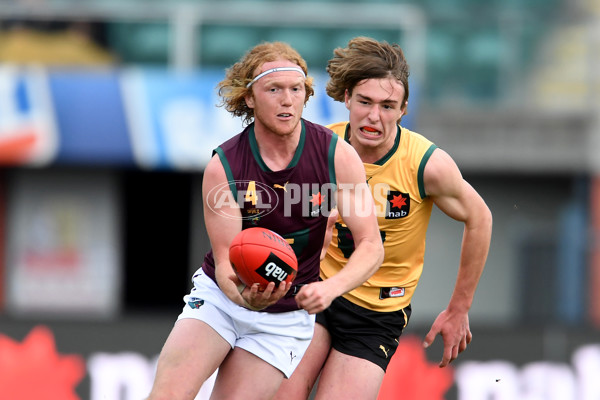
{"x": 149, "y": 118}
{"x": 90, "y": 118}
{"x": 174, "y": 119}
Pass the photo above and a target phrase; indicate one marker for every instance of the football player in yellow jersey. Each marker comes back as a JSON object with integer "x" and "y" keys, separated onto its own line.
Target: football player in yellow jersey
{"x": 357, "y": 335}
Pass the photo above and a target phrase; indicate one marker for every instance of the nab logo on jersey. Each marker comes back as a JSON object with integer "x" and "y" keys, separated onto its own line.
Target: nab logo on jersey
{"x": 316, "y": 202}
{"x": 398, "y": 205}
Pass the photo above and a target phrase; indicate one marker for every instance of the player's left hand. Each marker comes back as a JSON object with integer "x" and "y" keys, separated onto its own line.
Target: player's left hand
{"x": 454, "y": 329}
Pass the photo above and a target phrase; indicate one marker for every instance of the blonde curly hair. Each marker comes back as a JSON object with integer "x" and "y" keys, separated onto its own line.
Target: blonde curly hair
{"x": 233, "y": 89}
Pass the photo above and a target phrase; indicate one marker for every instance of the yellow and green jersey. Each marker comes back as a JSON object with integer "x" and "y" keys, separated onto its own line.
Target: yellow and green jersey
{"x": 403, "y": 212}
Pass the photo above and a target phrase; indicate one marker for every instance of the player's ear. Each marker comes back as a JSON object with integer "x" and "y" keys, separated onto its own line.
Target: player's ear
{"x": 347, "y": 96}
{"x": 249, "y": 98}
{"x": 402, "y": 112}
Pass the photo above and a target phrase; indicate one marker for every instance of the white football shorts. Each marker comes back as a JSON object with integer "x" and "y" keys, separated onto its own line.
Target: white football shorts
{"x": 280, "y": 339}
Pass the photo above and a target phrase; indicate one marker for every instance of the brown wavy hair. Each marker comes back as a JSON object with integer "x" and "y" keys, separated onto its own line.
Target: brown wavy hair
{"x": 233, "y": 90}
{"x": 365, "y": 58}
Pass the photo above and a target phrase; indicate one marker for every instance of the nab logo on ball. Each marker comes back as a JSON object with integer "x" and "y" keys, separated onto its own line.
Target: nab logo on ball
{"x": 259, "y": 255}
{"x": 275, "y": 269}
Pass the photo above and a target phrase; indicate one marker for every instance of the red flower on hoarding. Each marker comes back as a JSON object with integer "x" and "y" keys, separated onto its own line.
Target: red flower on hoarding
{"x": 411, "y": 376}
{"x": 33, "y": 370}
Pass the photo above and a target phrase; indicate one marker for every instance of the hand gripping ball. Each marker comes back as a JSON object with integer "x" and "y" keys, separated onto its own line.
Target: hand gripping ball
{"x": 259, "y": 255}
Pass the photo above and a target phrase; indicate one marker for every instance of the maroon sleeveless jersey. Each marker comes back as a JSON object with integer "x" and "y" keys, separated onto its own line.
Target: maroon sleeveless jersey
{"x": 293, "y": 202}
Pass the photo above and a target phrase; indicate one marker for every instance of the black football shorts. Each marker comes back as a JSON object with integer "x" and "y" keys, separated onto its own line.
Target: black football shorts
{"x": 364, "y": 333}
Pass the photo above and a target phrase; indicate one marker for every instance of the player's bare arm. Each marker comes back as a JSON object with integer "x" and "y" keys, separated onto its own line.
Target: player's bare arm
{"x": 457, "y": 199}
{"x": 329, "y": 232}
{"x": 357, "y": 208}
{"x": 223, "y": 221}
{"x": 355, "y": 205}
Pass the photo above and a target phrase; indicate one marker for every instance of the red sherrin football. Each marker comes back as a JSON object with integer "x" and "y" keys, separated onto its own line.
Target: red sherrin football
{"x": 259, "y": 255}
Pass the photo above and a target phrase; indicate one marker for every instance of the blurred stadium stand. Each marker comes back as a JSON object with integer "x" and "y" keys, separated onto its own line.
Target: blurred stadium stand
{"x": 511, "y": 89}
{"x": 474, "y": 51}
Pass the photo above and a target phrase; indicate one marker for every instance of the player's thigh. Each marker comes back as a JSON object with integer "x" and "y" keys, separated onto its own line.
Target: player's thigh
{"x": 348, "y": 377}
{"x": 191, "y": 353}
{"x": 245, "y": 376}
{"x": 300, "y": 384}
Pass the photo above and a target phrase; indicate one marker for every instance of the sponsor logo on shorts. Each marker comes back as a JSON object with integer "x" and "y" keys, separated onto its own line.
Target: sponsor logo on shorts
{"x": 195, "y": 302}
{"x": 384, "y": 350}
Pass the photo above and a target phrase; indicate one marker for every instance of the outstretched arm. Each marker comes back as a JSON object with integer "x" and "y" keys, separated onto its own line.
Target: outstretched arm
{"x": 457, "y": 199}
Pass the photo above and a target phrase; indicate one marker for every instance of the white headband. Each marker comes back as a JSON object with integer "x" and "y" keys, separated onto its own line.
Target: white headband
{"x": 275, "y": 70}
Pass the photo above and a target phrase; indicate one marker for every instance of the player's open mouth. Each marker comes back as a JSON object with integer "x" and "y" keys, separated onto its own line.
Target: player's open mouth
{"x": 370, "y": 131}
{"x": 284, "y": 115}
